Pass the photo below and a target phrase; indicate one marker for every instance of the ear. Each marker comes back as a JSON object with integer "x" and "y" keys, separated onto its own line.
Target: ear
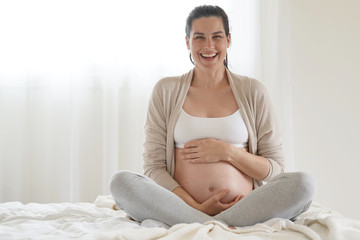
{"x": 228, "y": 40}
{"x": 187, "y": 42}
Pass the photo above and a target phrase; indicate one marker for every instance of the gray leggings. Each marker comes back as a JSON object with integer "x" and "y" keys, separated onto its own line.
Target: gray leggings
{"x": 286, "y": 196}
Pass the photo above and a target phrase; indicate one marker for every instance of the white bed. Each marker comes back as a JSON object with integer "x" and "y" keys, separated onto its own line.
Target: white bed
{"x": 99, "y": 220}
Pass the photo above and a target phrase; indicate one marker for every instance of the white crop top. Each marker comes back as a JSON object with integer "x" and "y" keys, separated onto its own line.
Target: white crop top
{"x": 230, "y": 129}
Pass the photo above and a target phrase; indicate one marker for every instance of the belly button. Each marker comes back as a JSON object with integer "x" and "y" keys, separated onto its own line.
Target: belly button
{"x": 211, "y": 189}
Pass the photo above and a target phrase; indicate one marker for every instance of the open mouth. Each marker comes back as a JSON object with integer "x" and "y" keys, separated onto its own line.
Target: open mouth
{"x": 208, "y": 56}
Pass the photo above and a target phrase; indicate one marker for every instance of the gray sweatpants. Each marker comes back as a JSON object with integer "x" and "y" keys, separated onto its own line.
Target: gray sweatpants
{"x": 286, "y": 196}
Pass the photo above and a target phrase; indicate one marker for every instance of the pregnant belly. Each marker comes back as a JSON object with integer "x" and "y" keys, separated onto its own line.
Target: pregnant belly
{"x": 204, "y": 180}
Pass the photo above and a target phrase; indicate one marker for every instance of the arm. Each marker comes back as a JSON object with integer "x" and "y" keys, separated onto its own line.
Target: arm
{"x": 155, "y": 148}
{"x": 254, "y": 166}
{"x": 186, "y": 197}
{"x": 213, "y": 150}
{"x": 268, "y": 133}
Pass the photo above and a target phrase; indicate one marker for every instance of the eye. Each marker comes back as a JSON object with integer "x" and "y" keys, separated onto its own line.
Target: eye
{"x": 199, "y": 37}
{"x": 217, "y": 36}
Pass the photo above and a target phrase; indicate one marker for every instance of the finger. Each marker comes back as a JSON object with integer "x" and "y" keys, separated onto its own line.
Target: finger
{"x": 227, "y": 205}
{"x": 189, "y": 150}
{"x": 196, "y": 160}
{"x": 191, "y": 144}
{"x": 197, "y": 143}
{"x": 238, "y": 198}
{"x": 230, "y": 204}
{"x": 221, "y": 194}
{"x": 190, "y": 156}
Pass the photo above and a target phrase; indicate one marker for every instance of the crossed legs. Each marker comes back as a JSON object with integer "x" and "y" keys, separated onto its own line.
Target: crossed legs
{"x": 286, "y": 196}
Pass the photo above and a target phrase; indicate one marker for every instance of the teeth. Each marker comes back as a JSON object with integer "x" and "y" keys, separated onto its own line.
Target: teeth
{"x": 208, "y": 55}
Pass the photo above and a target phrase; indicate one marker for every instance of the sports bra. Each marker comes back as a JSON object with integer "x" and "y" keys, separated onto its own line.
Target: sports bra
{"x": 230, "y": 129}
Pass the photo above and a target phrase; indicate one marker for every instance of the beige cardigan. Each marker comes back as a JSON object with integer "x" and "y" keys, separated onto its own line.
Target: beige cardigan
{"x": 164, "y": 108}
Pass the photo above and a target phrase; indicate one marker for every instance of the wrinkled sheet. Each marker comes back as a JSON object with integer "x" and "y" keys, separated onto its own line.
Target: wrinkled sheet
{"x": 102, "y": 220}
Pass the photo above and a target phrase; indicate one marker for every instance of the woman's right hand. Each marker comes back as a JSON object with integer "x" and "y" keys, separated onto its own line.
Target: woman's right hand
{"x": 214, "y": 206}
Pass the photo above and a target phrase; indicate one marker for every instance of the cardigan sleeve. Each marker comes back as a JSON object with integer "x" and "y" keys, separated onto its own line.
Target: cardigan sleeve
{"x": 269, "y": 140}
{"x": 154, "y": 155}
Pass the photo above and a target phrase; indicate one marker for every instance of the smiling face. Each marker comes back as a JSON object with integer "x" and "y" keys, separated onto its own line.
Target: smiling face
{"x": 208, "y": 42}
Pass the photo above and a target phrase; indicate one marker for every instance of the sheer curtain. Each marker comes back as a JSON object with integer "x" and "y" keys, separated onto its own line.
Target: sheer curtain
{"x": 75, "y": 78}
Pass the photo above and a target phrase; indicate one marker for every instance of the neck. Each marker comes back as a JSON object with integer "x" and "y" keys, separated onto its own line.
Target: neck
{"x": 209, "y": 78}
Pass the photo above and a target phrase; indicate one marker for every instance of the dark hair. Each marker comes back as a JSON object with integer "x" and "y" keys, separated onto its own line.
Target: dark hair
{"x": 207, "y": 11}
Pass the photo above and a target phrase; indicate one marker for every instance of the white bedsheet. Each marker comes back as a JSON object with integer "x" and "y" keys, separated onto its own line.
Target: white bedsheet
{"x": 100, "y": 221}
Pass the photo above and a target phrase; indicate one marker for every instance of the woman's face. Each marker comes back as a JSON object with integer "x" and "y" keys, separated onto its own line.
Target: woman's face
{"x": 208, "y": 42}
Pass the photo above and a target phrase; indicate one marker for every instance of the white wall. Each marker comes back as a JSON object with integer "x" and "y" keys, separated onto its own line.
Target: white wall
{"x": 325, "y": 63}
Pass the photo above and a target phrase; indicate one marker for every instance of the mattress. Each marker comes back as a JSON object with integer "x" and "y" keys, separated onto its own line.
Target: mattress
{"x": 103, "y": 220}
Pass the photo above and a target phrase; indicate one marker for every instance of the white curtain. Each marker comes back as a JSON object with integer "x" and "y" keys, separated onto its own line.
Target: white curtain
{"x": 75, "y": 78}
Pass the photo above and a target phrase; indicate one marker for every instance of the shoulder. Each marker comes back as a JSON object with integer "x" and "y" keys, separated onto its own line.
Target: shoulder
{"x": 247, "y": 85}
{"x": 167, "y": 83}
{"x": 171, "y": 83}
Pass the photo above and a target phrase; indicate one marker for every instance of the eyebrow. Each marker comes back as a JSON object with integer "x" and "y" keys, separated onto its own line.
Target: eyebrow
{"x": 200, "y": 33}
{"x": 218, "y": 32}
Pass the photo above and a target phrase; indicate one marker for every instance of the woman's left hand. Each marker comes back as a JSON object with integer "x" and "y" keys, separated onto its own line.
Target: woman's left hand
{"x": 206, "y": 150}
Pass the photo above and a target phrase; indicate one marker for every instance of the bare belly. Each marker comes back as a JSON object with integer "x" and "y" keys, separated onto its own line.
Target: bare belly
{"x": 204, "y": 180}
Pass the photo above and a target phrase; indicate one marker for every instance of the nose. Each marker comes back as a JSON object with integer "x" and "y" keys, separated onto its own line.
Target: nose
{"x": 209, "y": 43}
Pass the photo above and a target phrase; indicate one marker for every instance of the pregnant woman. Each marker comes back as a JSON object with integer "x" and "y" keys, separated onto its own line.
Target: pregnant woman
{"x": 212, "y": 140}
